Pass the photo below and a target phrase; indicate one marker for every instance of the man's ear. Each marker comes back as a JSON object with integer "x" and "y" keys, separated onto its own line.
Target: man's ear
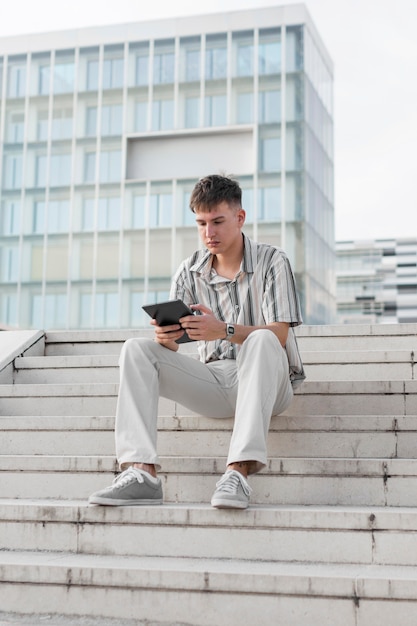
{"x": 241, "y": 216}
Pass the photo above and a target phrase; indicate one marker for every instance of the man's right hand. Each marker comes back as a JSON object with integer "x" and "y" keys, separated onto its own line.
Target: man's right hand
{"x": 167, "y": 335}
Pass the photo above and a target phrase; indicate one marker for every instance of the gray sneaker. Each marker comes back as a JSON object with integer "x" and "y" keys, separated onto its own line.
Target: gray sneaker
{"x": 132, "y": 487}
{"x": 232, "y": 491}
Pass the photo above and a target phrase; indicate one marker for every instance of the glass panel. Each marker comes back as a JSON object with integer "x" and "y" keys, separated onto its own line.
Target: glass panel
{"x": 138, "y": 211}
{"x": 92, "y": 75}
{"x": 243, "y": 54}
{"x": 215, "y": 110}
{"x": 142, "y": 68}
{"x": 108, "y": 214}
{"x": 162, "y": 114}
{"x": 110, "y": 166}
{"x": 42, "y": 126}
{"x": 89, "y": 167}
{"x": 60, "y": 170}
{"x": 192, "y": 112}
{"x": 216, "y": 57}
{"x": 269, "y": 209}
{"x": 12, "y": 171}
{"x": 269, "y": 54}
{"x": 112, "y": 73}
{"x": 16, "y": 80}
{"x": 40, "y": 170}
{"x": 62, "y": 124}
{"x": 244, "y": 105}
{"x": 87, "y": 218}
{"x": 270, "y": 157}
{"x": 9, "y": 264}
{"x": 91, "y": 121}
{"x": 164, "y": 63}
{"x": 15, "y": 127}
{"x": 270, "y": 106}
{"x": 10, "y": 218}
{"x": 111, "y": 119}
{"x": 141, "y": 116}
{"x": 64, "y": 73}
{"x": 160, "y": 210}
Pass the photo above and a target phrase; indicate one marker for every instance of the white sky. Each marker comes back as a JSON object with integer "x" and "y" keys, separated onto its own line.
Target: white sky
{"x": 373, "y": 45}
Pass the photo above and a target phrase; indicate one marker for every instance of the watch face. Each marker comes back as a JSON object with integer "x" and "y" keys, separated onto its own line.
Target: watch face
{"x": 230, "y": 330}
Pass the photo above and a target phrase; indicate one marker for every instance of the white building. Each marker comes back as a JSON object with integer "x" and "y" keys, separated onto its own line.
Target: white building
{"x": 377, "y": 281}
{"x": 104, "y": 132}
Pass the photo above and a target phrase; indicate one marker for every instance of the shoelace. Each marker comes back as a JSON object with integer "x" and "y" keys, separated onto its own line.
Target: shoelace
{"x": 128, "y": 476}
{"x": 230, "y": 482}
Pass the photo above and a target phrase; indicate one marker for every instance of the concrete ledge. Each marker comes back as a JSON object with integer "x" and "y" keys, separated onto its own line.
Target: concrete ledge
{"x": 14, "y": 343}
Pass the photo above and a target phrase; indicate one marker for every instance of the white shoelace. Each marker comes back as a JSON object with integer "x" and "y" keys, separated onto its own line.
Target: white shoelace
{"x": 128, "y": 476}
{"x": 230, "y": 482}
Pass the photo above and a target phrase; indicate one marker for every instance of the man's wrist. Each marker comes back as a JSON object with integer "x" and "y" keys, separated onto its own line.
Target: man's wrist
{"x": 230, "y": 331}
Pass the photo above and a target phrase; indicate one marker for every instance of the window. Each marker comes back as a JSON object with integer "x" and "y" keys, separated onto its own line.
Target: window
{"x": 92, "y": 75}
{"x": 11, "y": 218}
{"x": 42, "y": 126}
{"x": 108, "y": 214}
{"x": 9, "y": 309}
{"x": 270, "y": 57}
{"x": 16, "y": 127}
{"x": 192, "y": 112}
{"x": 13, "y": 171}
{"x": 113, "y": 73}
{"x": 49, "y": 311}
{"x": 91, "y": 121}
{"x": 141, "y": 116}
{"x": 162, "y": 114}
{"x": 269, "y": 209}
{"x": 142, "y": 69}
{"x": 87, "y": 217}
{"x": 44, "y": 79}
{"x": 16, "y": 86}
{"x": 216, "y": 62}
{"x": 192, "y": 65}
{"x": 270, "y": 106}
{"x": 215, "y": 110}
{"x": 111, "y": 119}
{"x": 160, "y": 210}
{"x": 58, "y": 216}
{"x": 89, "y": 167}
{"x": 270, "y": 156}
{"x": 64, "y": 77}
{"x": 9, "y": 264}
{"x": 138, "y": 317}
{"x": 163, "y": 67}
{"x": 110, "y": 166}
{"x": 62, "y": 124}
{"x": 244, "y": 104}
{"x": 106, "y": 310}
{"x": 138, "y": 212}
{"x": 60, "y": 170}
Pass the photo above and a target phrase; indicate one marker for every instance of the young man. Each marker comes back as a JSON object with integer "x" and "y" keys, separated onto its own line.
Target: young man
{"x": 244, "y": 293}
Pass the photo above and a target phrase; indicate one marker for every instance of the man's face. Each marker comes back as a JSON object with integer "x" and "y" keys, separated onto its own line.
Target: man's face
{"x": 221, "y": 228}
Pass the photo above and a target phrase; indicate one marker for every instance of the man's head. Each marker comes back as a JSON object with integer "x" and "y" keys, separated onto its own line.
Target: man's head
{"x": 211, "y": 190}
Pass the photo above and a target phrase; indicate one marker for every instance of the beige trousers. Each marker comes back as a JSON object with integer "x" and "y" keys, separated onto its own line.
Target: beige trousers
{"x": 251, "y": 388}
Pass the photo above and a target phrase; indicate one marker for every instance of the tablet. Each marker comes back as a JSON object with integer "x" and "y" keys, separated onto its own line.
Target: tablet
{"x": 166, "y": 313}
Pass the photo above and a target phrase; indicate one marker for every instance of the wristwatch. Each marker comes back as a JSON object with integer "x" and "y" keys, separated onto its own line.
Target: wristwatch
{"x": 230, "y": 331}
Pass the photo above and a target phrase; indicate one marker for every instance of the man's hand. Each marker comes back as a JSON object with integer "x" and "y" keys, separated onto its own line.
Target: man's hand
{"x": 167, "y": 335}
{"x": 204, "y": 327}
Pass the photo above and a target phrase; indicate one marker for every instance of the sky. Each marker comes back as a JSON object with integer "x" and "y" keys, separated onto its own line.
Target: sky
{"x": 373, "y": 45}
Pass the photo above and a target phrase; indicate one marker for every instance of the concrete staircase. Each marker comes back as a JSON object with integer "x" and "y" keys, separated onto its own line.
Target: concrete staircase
{"x": 330, "y": 537}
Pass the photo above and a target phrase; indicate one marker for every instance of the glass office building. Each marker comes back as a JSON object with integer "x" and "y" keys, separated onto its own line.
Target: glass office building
{"x": 104, "y": 132}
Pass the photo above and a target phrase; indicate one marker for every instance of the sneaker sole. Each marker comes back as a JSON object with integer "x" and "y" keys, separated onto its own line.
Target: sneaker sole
{"x": 228, "y": 504}
{"x": 113, "y": 502}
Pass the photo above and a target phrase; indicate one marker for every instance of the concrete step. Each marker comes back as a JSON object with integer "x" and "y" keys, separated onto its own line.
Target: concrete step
{"x": 300, "y": 481}
{"x": 352, "y": 365}
{"x": 332, "y": 436}
{"x": 313, "y": 534}
{"x": 341, "y": 338}
{"x": 312, "y": 398}
{"x": 204, "y": 592}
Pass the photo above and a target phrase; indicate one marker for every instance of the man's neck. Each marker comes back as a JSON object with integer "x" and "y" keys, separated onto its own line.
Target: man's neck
{"x": 228, "y": 265}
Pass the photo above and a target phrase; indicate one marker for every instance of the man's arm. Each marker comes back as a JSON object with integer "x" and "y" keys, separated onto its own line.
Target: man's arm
{"x": 206, "y": 327}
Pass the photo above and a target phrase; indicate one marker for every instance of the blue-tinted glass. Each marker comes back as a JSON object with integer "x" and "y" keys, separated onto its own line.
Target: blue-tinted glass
{"x": 244, "y": 108}
{"x": 216, "y": 63}
{"x": 91, "y": 121}
{"x": 58, "y": 216}
{"x": 60, "y": 170}
{"x": 162, "y": 114}
{"x": 270, "y": 204}
{"x": 92, "y": 75}
{"x": 271, "y": 154}
{"x": 13, "y": 171}
{"x": 247, "y": 204}
{"x": 138, "y": 212}
{"x": 215, "y": 110}
{"x": 142, "y": 70}
{"x": 270, "y": 106}
{"x": 9, "y": 257}
{"x": 38, "y": 217}
{"x": 40, "y": 171}
{"x": 141, "y": 116}
{"x": 16, "y": 86}
{"x": 270, "y": 57}
{"x": 64, "y": 77}
{"x": 85, "y": 310}
{"x": 11, "y": 218}
{"x": 111, "y": 119}
{"x": 192, "y": 65}
{"x": 244, "y": 60}
{"x": 88, "y": 214}
{"x": 192, "y": 112}
{"x": 44, "y": 76}
{"x": 163, "y": 68}
{"x": 89, "y": 167}
{"x": 112, "y": 73}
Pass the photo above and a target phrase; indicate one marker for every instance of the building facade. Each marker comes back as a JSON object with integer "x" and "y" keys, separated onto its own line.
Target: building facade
{"x": 377, "y": 281}
{"x": 104, "y": 132}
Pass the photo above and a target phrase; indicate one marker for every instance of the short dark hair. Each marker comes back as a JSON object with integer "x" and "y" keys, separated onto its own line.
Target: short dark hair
{"x": 213, "y": 189}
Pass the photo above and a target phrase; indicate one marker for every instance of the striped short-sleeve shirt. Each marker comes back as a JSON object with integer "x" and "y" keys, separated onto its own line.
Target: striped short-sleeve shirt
{"x": 262, "y": 292}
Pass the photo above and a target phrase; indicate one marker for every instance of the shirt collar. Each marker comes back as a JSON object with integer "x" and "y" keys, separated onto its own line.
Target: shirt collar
{"x": 204, "y": 264}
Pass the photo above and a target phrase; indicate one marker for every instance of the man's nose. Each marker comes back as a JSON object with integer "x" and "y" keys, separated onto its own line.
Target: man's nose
{"x": 209, "y": 230}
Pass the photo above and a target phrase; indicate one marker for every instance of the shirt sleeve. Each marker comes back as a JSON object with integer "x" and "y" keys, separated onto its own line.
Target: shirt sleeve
{"x": 280, "y": 301}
